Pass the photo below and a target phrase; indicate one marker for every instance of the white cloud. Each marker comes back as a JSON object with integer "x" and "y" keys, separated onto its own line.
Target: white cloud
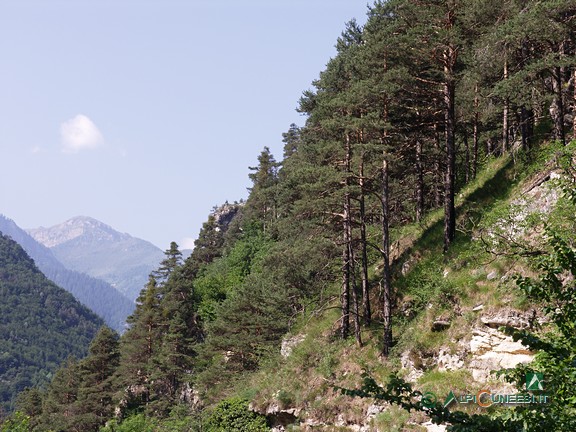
{"x": 79, "y": 133}
{"x": 36, "y": 150}
{"x": 186, "y": 243}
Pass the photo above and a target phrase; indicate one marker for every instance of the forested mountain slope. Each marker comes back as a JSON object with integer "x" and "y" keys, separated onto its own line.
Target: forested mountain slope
{"x": 40, "y": 324}
{"x": 96, "y": 294}
{"x": 386, "y": 240}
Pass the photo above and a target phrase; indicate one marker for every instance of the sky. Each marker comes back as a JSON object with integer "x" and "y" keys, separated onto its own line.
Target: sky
{"x": 145, "y": 114}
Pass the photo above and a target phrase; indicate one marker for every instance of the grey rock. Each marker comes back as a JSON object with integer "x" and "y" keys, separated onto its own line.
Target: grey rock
{"x": 492, "y": 275}
{"x": 447, "y": 361}
{"x": 440, "y": 325}
{"x": 493, "y": 350}
{"x": 508, "y": 318}
{"x": 289, "y": 343}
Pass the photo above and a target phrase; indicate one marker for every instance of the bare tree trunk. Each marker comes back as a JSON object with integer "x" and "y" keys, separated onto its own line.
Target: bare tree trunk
{"x": 524, "y": 128}
{"x": 345, "y": 291}
{"x": 349, "y": 244}
{"x": 419, "y": 182}
{"x": 557, "y": 109}
{"x": 526, "y": 114}
{"x": 386, "y": 280}
{"x": 346, "y": 258}
{"x": 449, "y": 135}
{"x": 366, "y": 310}
{"x": 437, "y": 169}
{"x": 574, "y": 107}
{"x": 467, "y": 157}
{"x": 355, "y": 294}
{"x": 506, "y": 114}
{"x": 475, "y": 137}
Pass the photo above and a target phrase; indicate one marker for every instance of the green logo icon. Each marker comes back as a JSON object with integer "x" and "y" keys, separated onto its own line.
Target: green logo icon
{"x": 429, "y": 399}
{"x": 534, "y": 381}
{"x": 449, "y": 399}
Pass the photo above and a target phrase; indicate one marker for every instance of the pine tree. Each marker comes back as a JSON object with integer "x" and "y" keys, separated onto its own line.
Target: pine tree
{"x": 172, "y": 260}
{"x": 59, "y": 408}
{"x": 29, "y": 403}
{"x": 261, "y": 206}
{"x": 173, "y": 362}
{"x": 95, "y": 394}
{"x": 137, "y": 346}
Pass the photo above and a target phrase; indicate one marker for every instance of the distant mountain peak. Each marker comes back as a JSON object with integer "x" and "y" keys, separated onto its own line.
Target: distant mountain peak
{"x": 86, "y": 245}
{"x": 75, "y": 227}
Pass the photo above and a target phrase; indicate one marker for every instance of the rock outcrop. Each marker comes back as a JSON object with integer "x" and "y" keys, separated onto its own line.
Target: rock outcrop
{"x": 289, "y": 343}
{"x": 487, "y": 350}
{"x": 491, "y": 350}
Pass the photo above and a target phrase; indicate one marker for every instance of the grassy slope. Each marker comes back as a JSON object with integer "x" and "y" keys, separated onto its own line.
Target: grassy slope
{"x": 433, "y": 286}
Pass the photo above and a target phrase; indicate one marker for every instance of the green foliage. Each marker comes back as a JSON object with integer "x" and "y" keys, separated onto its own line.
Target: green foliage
{"x": 40, "y": 326}
{"x": 135, "y": 423}
{"x": 141, "y": 423}
{"x": 158, "y": 350}
{"x": 555, "y": 290}
{"x": 399, "y": 392}
{"x": 18, "y": 422}
{"x": 225, "y": 275}
{"x": 233, "y": 415}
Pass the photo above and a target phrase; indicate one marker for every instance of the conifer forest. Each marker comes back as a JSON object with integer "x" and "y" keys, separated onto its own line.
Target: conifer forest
{"x": 422, "y": 109}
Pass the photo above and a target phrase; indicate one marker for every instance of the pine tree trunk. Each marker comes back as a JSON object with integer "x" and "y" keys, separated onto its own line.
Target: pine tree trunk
{"x": 475, "y": 133}
{"x": 557, "y": 109}
{"x": 524, "y": 127}
{"x": 437, "y": 169}
{"x": 355, "y": 294}
{"x": 345, "y": 291}
{"x": 346, "y": 256}
{"x": 506, "y": 115}
{"x": 386, "y": 280}
{"x": 526, "y": 114}
{"x": 449, "y": 128}
{"x": 467, "y": 157}
{"x": 366, "y": 310}
{"x": 419, "y": 182}
{"x": 574, "y": 107}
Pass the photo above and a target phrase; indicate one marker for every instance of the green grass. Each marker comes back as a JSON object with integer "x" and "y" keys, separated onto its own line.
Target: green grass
{"x": 438, "y": 285}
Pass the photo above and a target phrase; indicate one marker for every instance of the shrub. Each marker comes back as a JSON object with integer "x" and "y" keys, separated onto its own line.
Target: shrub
{"x": 233, "y": 415}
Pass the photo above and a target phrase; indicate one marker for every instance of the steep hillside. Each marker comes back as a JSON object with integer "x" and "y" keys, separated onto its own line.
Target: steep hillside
{"x": 433, "y": 166}
{"x": 40, "y": 324}
{"x": 449, "y": 311}
{"x": 96, "y": 294}
{"x": 89, "y": 246}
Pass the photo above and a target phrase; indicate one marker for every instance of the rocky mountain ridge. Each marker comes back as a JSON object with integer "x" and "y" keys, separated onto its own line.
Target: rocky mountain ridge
{"x": 87, "y": 245}
{"x": 76, "y": 227}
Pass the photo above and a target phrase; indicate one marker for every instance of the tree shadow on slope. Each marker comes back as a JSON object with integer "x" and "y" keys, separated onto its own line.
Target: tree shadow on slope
{"x": 471, "y": 203}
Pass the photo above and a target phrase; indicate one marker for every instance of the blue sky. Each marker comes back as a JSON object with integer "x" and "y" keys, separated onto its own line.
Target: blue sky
{"x": 145, "y": 114}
